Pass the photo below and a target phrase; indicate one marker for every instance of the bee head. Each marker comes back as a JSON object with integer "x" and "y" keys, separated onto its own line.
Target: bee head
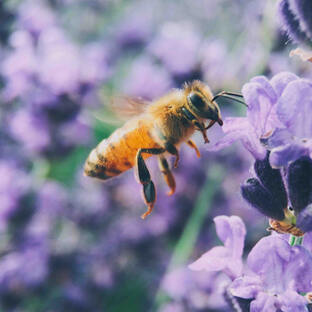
{"x": 199, "y": 101}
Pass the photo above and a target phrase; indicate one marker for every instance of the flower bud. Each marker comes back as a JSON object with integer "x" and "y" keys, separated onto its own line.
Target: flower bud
{"x": 300, "y": 183}
{"x": 260, "y": 198}
{"x": 292, "y": 21}
{"x": 304, "y": 219}
{"x": 271, "y": 179}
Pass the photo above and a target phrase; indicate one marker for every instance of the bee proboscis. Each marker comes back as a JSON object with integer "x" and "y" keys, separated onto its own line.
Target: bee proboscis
{"x": 159, "y": 129}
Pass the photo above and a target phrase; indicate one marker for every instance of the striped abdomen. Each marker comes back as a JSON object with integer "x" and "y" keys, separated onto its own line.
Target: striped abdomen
{"x": 117, "y": 153}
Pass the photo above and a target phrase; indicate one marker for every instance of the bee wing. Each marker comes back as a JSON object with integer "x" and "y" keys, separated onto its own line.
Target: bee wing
{"x": 120, "y": 109}
{"x": 126, "y": 107}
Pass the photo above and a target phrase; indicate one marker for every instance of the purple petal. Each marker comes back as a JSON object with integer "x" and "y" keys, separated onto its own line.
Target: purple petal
{"x": 307, "y": 241}
{"x": 260, "y": 105}
{"x": 218, "y": 259}
{"x": 253, "y": 145}
{"x": 291, "y": 301}
{"x": 213, "y": 260}
{"x": 246, "y": 287}
{"x": 298, "y": 272}
{"x": 281, "y": 80}
{"x": 294, "y": 108}
{"x": 267, "y": 259}
{"x": 264, "y": 303}
{"x": 235, "y": 124}
{"x": 283, "y": 155}
{"x": 277, "y": 138}
{"x": 234, "y": 128}
{"x": 232, "y": 232}
{"x": 239, "y": 128}
{"x": 265, "y": 83}
{"x": 225, "y": 141}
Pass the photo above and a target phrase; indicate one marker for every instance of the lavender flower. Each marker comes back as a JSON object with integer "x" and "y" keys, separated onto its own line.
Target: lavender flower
{"x": 176, "y": 46}
{"x": 260, "y": 121}
{"x": 138, "y": 82}
{"x": 231, "y": 230}
{"x": 35, "y": 17}
{"x": 277, "y": 119}
{"x": 296, "y": 19}
{"x": 136, "y": 29}
{"x": 45, "y": 74}
{"x": 11, "y": 194}
{"x": 213, "y": 55}
{"x": 31, "y": 130}
{"x": 276, "y": 276}
{"x": 279, "y": 274}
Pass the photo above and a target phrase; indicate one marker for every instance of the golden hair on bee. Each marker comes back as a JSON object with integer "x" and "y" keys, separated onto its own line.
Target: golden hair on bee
{"x": 159, "y": 129}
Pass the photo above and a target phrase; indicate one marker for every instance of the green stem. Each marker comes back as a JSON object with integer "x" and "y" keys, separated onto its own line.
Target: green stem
{"x": 295, "y": 240}
{"x": 292, "y": 240}
{"x": 185, "y": 245}
{"x": 299, "y": 240}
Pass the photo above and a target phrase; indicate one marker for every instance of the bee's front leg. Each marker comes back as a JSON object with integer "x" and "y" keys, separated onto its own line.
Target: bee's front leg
{"x": 201, "y": 127}
{"x": 168, "y": 176}
{"x": 149, "y": 191}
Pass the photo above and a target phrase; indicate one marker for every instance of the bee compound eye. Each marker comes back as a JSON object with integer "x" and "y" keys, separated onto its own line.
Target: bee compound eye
{"x": 196, "y": 100}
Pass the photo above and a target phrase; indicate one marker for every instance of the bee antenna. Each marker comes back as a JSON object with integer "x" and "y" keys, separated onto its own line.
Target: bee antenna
{"x": 230, "y": 95}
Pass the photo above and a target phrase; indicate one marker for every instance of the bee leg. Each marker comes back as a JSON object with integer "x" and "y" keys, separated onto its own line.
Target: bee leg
{"x": 168, "y": 176}
{"x": 201, "y": 127}
{"x": 170, "y": 148}
{"x": 193, "y": 145}
{"x": 149, "y": 191}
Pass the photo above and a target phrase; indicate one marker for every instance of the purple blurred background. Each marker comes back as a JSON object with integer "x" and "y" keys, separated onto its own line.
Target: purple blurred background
{"x": 69, "y": 243}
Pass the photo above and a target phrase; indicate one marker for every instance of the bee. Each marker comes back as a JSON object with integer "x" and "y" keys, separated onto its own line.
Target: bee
{"x": 159, "y": 129}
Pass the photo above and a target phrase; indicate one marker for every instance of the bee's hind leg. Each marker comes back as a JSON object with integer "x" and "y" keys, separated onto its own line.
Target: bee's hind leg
{"x": 168, "y": 176}
{"x": 149, "y": 191}
{"x": 191, "y": 144}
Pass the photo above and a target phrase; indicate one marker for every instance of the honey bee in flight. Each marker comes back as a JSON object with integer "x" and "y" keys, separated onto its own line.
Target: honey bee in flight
{"x": 159, "y": 129}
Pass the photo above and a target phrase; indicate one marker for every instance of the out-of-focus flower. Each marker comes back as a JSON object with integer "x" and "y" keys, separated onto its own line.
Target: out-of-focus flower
{"x": 296, "y": 19}
{"x": 35, "y": 17}
{"x": 14, "y": 185}
{"x": 147, "y": 79}
{"x": 136, "y": 29}
{"x": 52, "y": 79}
{"x": 25, "y": 267}
{"x": 177, "y": 47}
{"x": 31, "y": 130}
{"x": 213, "y": 60}
{"x": 227, "y": 258}
{"x": 279, "y": 274}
